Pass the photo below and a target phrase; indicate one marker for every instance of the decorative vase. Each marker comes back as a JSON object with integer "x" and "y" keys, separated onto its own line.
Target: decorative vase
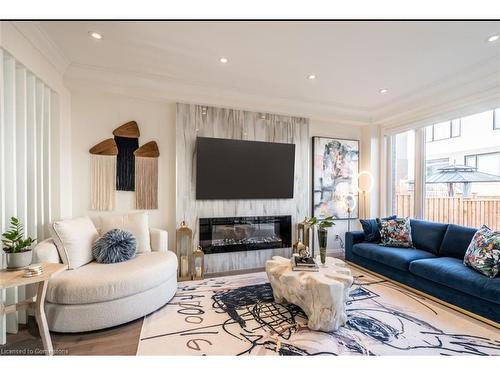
{"x": 19, "y": 260}
{"x": 322, "y": 241}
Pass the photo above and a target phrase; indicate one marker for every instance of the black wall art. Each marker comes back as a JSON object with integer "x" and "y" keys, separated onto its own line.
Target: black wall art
{"x": 127, "y": 141}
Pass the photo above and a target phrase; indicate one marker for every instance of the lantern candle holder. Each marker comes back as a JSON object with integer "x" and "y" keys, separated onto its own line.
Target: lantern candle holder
{"x": 303, "y": 230}
{"x": 184, "y": 251}
{"x": 198, "y": 264}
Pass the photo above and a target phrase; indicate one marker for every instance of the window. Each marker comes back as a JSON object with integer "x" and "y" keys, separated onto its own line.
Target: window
{"x": 446, "y": 189}
{"x": 486, "y": 163}
{"x": 443, "y": 130}
{"x": 471, "y": 161}
{"x": 455, "y": 193}
{"x": 403, "y": 173}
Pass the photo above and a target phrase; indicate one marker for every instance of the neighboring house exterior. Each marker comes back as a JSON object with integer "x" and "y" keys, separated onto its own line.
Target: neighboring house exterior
{"x": 473, "y": 141}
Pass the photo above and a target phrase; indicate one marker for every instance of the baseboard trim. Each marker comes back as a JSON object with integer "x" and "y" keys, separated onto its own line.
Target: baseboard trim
{"x": 428, "y": 296}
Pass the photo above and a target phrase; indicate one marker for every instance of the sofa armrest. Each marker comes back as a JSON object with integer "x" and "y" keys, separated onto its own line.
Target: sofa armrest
{"x": 159, "y": 239}
{"x": 46, "y": 252}
{"x": 352, "y": 238}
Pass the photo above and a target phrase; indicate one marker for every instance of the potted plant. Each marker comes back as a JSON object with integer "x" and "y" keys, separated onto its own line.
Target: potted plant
{"x": 323, "y": 225}
{"x": 17, "y": 248}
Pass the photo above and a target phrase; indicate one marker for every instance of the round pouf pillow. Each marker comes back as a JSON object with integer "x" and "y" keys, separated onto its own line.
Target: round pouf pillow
{"x": 115, "y": 246}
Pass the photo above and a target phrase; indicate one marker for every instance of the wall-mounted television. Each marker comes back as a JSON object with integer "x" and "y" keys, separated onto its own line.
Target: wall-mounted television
{"x": 235, "y": 169}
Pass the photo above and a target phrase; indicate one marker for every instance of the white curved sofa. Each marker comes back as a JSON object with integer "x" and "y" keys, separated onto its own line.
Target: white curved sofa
{"x": 97, "y": 296}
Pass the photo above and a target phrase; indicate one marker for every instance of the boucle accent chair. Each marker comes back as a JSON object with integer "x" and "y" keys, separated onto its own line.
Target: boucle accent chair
{"x": 96, "y": 296}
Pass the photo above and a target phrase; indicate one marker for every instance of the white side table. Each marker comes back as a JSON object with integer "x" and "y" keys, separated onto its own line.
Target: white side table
{"x": 10, "y": 279}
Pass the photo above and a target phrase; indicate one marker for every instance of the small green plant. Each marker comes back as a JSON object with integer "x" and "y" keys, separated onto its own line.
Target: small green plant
{"x": 327, "y": 222}
{"x": 13, "y": 240}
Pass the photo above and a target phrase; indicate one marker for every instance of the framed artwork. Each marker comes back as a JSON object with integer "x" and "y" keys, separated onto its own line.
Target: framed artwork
{"x": 335, "y": 177}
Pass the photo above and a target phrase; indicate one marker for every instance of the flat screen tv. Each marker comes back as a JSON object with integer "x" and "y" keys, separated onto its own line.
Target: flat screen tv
{"x": 234, "y": 169}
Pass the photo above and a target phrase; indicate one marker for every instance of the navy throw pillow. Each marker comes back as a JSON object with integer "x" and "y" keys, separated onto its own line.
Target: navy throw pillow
{"x": 371, "y": 228}
{"x": 115, "y": 246}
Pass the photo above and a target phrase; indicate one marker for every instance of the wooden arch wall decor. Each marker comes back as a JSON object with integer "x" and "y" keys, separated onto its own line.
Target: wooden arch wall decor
{"x": 146, "y": 176}
{"x": 127, "y": 141}
{"x": 120, "y": 164}
{"x": 103, "y": 175}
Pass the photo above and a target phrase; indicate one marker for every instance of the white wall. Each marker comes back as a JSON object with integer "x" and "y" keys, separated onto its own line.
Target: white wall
{"x": 331, "y": 129}
{"x": 94, "y": 117}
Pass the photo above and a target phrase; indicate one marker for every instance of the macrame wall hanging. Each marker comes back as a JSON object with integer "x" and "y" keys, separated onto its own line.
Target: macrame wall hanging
{"x": 120, "y": 164}
{"x": 103, "y": 175}
{"x": 127, "y": 141}
{"x": 146, "y": 176}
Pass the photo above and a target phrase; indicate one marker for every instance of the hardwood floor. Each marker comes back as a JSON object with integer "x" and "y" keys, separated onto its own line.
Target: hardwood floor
{"x": 121, "y": 340}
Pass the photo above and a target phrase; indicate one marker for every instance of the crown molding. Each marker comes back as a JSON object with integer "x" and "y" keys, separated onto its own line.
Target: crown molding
{"x": 454, "y": 94}
{"x": 160, "y": 88}
{"x": 43, "y": 43}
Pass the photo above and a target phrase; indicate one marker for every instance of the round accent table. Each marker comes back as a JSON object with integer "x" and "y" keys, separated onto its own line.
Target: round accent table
{"x": 321, "y": 295}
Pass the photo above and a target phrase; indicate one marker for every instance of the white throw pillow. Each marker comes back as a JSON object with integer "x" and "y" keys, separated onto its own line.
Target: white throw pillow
{"x": 136, "y": 223}
{"x": 73, "y": 239}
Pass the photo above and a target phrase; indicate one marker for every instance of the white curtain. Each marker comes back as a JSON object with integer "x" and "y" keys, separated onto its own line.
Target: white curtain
{"x": 28, "y": 109}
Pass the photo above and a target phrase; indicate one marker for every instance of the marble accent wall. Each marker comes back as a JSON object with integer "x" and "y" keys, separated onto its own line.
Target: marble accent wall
{"x": 195, "y": 120}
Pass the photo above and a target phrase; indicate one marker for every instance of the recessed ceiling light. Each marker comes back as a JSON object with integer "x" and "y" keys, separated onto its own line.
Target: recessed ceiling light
{"x": 383, "y": 91}
{"x": 493, "y": 38}
{"x": 311, "y": 76}
{"x": 224, "y": 60}
{"x": 95, "y": 35}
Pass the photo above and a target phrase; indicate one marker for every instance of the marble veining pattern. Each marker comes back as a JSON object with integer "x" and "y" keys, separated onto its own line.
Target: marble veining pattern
{"x": 243, "y": 125}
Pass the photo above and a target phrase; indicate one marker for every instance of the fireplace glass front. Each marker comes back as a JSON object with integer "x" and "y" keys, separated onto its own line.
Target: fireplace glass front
{"x": 228, "y": 234}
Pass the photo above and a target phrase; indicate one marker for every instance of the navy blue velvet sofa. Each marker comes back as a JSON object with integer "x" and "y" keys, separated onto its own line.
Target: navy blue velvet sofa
{"x": 435, "y": 266}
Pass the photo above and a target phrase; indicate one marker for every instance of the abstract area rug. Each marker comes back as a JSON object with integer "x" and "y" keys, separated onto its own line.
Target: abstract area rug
{"x": 237, "y": 315}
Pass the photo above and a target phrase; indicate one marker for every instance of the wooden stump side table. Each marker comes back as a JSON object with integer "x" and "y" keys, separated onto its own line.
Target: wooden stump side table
{"x": 11, "y": 279}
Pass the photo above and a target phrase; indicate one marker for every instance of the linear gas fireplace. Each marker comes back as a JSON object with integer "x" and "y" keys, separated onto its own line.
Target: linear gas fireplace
{"x": 228, "y": 234}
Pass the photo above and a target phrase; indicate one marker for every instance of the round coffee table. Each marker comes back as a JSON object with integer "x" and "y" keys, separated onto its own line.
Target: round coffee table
{"x": 321, "y": 295}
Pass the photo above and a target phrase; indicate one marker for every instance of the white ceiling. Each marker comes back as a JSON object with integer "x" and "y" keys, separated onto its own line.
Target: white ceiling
{"x": 271, "y": 60}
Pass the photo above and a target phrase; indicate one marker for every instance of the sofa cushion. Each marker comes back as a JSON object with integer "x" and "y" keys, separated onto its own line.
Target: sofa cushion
{"x": 97, "y": 282}
{"x": 115, "y": 246}
{"x": 395, "y": 232}
{"x": 73, "y": 239}
{"x": 456, "y": 241}
{"x": 371, "y": 229}
{"x": 396, "y": 257}
{"x": 136, "y": 223}
{"x": 452, "y": 273}
{"x": 427, "y": 235}
{"x": 483, "y": 253}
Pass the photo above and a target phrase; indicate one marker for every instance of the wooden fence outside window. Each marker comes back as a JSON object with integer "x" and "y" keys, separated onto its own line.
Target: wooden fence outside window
{"x": 470, "y": 212}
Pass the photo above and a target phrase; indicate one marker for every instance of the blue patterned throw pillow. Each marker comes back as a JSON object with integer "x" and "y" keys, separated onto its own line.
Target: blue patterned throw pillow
{"x": 371, "y": 228}
{"x": 395, "y": 232}
{"x": 483, "y": 253}
{"x": 115, "y": 246}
